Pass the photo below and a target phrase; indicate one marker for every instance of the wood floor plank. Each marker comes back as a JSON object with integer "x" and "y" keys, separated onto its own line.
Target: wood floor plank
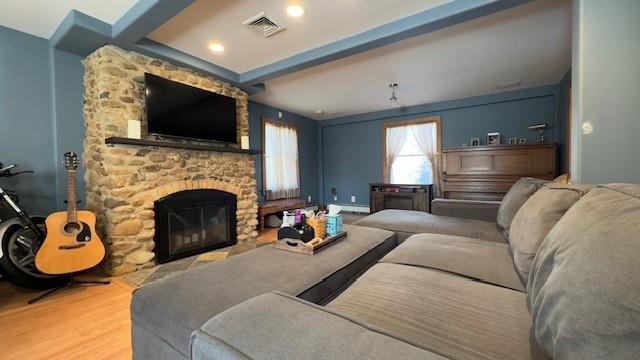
{"x": 87, "y": 322}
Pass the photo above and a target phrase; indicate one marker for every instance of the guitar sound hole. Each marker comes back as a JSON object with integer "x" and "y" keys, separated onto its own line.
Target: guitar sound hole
{"x": 72, "y": 227}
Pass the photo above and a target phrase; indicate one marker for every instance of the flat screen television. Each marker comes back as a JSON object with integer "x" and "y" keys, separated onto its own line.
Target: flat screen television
{"x": 183, "y": 111}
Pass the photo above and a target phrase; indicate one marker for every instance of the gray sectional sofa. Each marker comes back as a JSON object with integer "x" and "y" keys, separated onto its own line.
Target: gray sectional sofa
{"x": 556, "y": 277}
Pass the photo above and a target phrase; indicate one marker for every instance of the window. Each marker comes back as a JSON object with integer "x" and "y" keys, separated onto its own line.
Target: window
{"x": 411, "y": 166}
{"x": 280, "y": 172}
{"x": 411, "y": 152}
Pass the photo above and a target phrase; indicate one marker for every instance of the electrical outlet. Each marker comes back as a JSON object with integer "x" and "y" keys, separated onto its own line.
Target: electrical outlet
{"x": 309, "y": 199}
{"x": 335, "y": 197}
{"x": 353, "y": 198}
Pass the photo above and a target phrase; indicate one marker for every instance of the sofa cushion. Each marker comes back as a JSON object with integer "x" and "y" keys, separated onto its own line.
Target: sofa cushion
{"x": 450, "y": 315}
{"x": 421, "y": 222}
{"x": 172, "y": 308}
{"x": 535, "y": 219}
{"x": 514, "y": 199}
{"x": 277, "y": 326}
{"x": 487, "y": 261}
{"x": 469, "y": 209}
{"x": 584, "y": 286}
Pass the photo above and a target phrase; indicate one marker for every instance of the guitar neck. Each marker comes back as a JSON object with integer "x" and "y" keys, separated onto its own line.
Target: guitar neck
{"x": 71, "y": 196}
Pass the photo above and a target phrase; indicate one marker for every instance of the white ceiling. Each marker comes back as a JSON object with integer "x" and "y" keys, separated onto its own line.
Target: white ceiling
{"x": 324, "y": 21}
{"x": 42, "y": 17}
{"x": 529, "y": 43}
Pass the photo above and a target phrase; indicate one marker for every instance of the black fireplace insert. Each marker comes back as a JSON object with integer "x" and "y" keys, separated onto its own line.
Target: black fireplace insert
{"x": 192, "y": 222}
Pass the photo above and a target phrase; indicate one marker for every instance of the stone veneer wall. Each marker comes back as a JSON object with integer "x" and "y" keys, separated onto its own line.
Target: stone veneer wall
{"x": 122, "y": 182}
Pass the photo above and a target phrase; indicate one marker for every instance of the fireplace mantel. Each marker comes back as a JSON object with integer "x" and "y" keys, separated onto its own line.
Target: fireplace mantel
{"x": 177, "y": 145}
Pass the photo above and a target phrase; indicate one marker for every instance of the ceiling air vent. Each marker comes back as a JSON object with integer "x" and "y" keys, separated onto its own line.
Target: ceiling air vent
{"x": 263, "y": 24}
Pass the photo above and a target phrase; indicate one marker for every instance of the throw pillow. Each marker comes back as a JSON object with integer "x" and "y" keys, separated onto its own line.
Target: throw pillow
{"x": 584, "y": 288}
{"x": 514, "y": 199}
{"x": 563, "y": 179}
{"x": 535, "y": 219}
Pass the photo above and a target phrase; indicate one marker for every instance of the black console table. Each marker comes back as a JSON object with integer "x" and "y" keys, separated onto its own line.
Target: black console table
{"x": 399, "y": 196}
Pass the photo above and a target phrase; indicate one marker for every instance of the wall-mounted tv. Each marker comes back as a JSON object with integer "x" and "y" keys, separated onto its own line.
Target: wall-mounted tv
{"x": 179, "y": 110}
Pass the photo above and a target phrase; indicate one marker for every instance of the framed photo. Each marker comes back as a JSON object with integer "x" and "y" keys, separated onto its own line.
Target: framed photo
{"x": 493, "y": 138}
{"x": 513, "y": 141}
{"x": 523, "y": 140}
{"x": 475, "y": 141}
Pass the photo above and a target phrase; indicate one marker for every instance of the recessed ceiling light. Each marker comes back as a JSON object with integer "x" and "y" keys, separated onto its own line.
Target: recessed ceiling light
{"x": 217, "y": 48}
{"x": 295, "y": 10}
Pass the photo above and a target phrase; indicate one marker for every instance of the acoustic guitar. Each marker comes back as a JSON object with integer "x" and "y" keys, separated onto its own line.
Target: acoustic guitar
{"x": 71, "y": 243}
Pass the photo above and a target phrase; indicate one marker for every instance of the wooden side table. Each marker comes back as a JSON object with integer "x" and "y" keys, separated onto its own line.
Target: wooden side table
{"x": 275, "y": 206}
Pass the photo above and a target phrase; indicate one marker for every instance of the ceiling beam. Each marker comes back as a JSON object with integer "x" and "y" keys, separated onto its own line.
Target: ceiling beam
{"x": 448, "y": 14}
{"x": 80, "y": 34}
{"x": 144, "y": 17}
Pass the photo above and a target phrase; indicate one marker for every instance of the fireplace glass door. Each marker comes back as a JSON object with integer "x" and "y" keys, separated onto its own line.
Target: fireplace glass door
{"x": 194, "y": 221}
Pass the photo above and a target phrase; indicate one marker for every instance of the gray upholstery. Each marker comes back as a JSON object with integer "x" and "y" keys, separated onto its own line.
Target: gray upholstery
{"x": 149, "y": 346}
{"x": 421, "y": 222}
{"x": 276, "y": 326}
{"x": 517, "y": 195}
{"x": 173, "y": 307}
{"x": 447, "y": 314}
{"x": 584, "y": 285}
{"x": 535, "y": 219}
{"x": 487, "y": 261}
{"x": 468, "y": 209}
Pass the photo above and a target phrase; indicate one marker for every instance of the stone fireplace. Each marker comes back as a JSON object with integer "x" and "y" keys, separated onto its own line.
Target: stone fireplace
{"x": 125, "y": 182}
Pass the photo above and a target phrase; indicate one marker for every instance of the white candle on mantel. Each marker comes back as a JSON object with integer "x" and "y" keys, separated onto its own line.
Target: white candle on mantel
{"x": 244, "y": 142}
{"x": 133, "y": 129}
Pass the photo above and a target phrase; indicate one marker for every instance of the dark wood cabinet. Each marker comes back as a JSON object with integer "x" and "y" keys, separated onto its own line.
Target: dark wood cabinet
{"x": 399, "y": 196}
{"x": 487, "y": 172}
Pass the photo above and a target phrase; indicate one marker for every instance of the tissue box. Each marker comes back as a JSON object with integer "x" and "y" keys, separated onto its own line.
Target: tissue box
{"x": 334, "y": 224}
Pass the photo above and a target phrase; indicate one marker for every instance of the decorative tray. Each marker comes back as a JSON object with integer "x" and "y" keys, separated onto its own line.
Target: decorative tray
{"x": 310, "y": 248}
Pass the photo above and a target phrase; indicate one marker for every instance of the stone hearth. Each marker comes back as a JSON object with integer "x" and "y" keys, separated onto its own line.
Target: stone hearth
{"x": 122, "y": 182}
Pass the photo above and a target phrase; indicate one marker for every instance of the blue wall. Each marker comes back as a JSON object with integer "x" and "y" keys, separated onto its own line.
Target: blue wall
{"x": 68, "y": 119}
{"x": 352, "y": 146}
{"x": 40, "y": 118}
{"x": 25, "y": 118}
{"x": 307, "y": 146}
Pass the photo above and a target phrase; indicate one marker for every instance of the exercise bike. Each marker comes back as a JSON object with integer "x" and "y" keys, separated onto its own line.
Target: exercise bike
{"x": 20, "y": 238}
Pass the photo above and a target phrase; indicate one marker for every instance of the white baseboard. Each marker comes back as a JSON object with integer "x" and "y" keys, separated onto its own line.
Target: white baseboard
{"x": 354, "y": 208}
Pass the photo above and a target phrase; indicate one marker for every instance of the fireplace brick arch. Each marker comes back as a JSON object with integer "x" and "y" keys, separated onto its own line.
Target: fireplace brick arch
{"x": 204, "y": 184}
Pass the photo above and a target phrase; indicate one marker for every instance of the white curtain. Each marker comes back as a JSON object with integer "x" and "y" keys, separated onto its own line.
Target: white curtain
{"x": 396, "y": 137}
{"x": 427, "y": 137}
{"x": 282, "y": 177}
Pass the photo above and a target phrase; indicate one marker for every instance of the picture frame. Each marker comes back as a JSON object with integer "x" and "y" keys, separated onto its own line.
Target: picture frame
{"x": 493, "y": 138}
{"x": 522, "y": 141}
{"x": 475, "y": 141}
{"x": 513, "y": 141}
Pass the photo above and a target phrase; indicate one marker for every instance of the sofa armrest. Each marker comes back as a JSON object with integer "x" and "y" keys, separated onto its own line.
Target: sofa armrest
{"x": 279, "y": 326}
{"x": 468, "y": 209}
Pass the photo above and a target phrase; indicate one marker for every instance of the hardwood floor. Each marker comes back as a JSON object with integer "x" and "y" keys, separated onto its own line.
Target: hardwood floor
{"x": 85, "y": 322}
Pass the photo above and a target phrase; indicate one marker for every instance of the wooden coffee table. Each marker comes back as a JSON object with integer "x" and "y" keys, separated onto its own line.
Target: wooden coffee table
{"x": 275, "y": 206}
